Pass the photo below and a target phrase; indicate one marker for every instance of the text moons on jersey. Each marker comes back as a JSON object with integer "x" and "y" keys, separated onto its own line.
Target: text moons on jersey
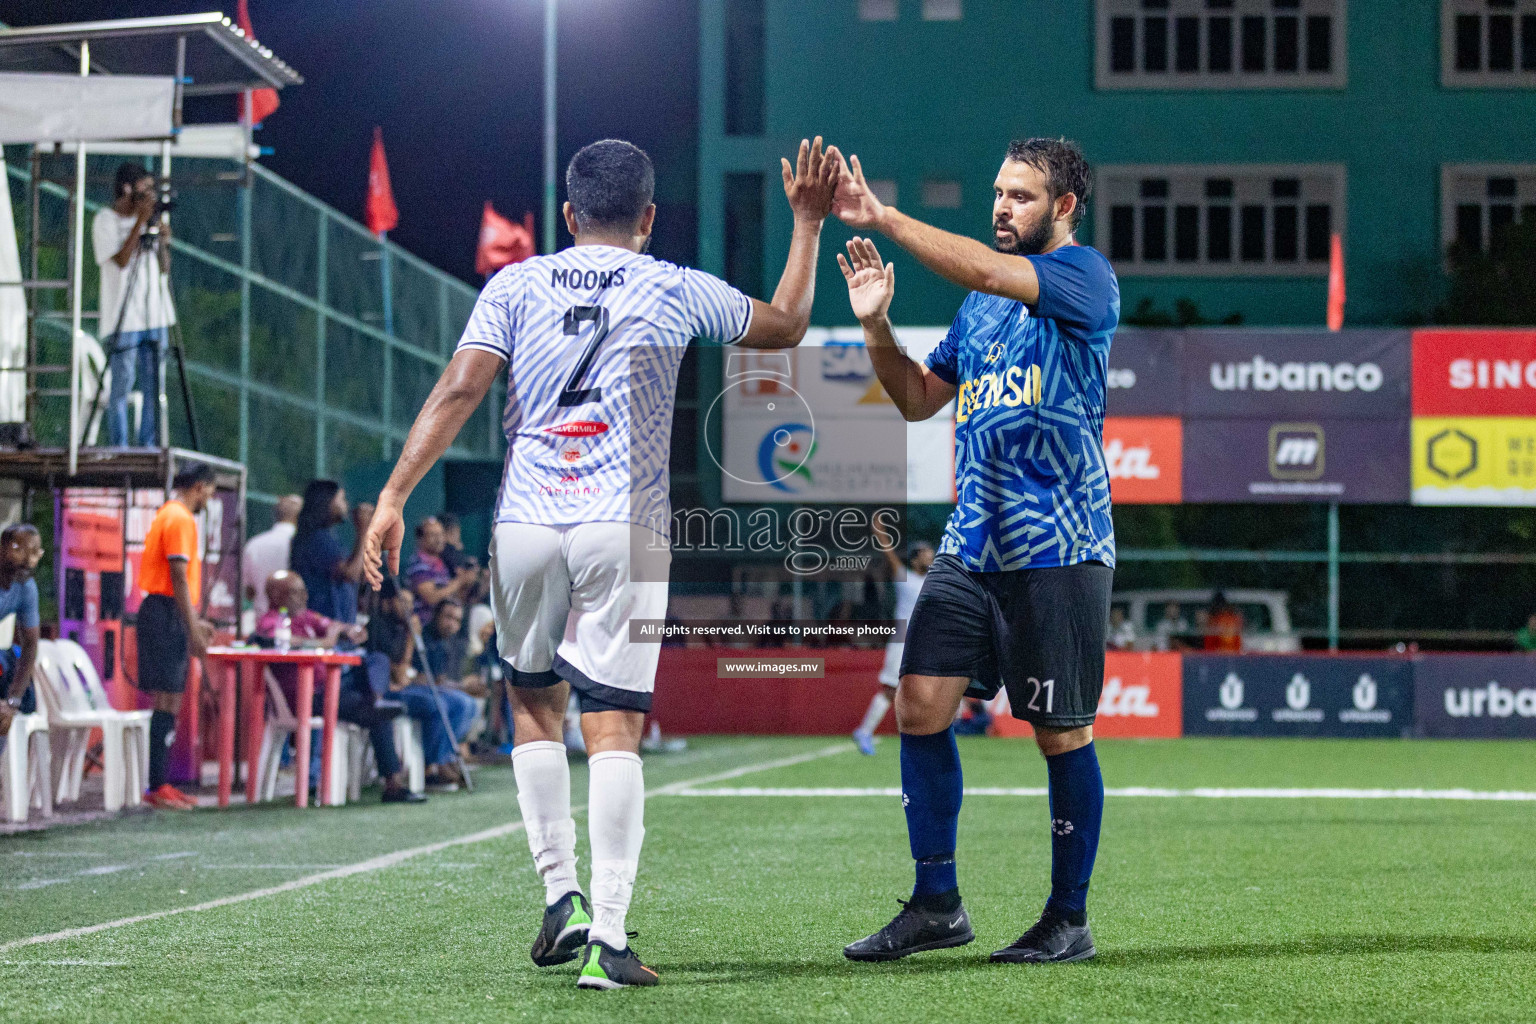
{"x": 586, "y": 279}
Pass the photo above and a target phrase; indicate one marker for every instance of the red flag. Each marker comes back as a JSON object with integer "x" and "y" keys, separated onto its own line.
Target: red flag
{"x": 257, "y": 104}
{"x": 502, "y": 242}
{"x": 1336, "y": 283}
{"x": 381, "y": 215}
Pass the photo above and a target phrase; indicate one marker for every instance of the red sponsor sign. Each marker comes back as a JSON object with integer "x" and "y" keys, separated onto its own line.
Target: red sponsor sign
{"x": 1474, "y": 373}
{"x": 1143, "y": 698}
{"x": 1145, "y": 458}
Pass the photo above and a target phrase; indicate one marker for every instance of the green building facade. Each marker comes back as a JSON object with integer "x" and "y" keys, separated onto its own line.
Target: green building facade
{"x": 1230, "y": 137}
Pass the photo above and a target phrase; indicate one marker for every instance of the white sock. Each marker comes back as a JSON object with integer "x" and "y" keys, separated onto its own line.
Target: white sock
{"x": 544, "y": 794}
{"x": 879, "y": 704}
{"x": 616, "y": 823}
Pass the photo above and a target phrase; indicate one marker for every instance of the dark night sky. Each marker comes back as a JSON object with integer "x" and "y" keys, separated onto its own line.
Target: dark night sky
{"x": 457, "y": 86}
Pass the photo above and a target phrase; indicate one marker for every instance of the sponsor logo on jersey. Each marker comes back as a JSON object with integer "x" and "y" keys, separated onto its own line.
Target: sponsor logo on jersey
{"x": 578, "y": 428}
{"x": 1018, "y": 385}
{"x": 1262, "y": 375}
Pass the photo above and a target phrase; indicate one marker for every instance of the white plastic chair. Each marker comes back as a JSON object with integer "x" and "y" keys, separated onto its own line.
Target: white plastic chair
{"x": 413, "y": 756}
{"x": 282, "y": 723}
{"x": 408, "y": 746}
{"x": 26, "y": 767}
{"x": 65, "y": 680}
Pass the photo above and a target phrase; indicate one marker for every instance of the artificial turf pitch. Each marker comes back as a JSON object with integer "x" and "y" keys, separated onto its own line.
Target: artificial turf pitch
{"x": 1300, "y": 909}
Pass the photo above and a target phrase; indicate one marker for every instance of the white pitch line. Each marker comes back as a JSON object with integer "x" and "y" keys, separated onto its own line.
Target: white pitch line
{"x": 63, "y": 963}
{"x": 391, "y": 859}
{"x": 1208, "y": 793}
{"x": 100, "y": 869}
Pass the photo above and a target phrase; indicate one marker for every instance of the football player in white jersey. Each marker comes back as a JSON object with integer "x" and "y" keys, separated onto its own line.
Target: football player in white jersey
{"x": 592, "y": 338}
{"x": 907, "y": 577}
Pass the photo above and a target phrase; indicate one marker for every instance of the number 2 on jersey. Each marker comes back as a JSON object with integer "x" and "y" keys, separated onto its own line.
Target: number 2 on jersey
{"x": 574, "y": 393}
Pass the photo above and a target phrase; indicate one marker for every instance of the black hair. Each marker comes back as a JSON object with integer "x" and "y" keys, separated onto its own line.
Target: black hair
{"x": 129, "y": 174}
{"x": 316, "y": 512}
{"x": 915, "y": 547}
{"x": 421, "y": 527}
{"x": 1064, "y": 166}
{"x": 192, "y": 474}
{"x": 9, "y": 534}
{"x": 437, "y": 609}
{"x": 448, "y": 519}
{"x": 609, "y": 184}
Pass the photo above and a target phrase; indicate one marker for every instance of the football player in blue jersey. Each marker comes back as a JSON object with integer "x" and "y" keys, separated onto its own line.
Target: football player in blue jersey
{"x": 1018, "y": 597}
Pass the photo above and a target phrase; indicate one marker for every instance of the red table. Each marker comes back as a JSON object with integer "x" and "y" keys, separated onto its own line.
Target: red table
{"x": 244, "y": 664}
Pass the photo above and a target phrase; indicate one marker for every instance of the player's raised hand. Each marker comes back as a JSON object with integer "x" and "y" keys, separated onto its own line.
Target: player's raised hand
{"x": 811, "y": 183}
{"x": 871, "y": 282}
{"x": 386, "y": 532}
{"x": 855, "y": 203}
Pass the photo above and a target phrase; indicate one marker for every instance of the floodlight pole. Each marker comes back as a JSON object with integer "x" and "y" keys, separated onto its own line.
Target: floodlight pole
{"x": 77, "y": 285}
{"x": 549, "y": 124}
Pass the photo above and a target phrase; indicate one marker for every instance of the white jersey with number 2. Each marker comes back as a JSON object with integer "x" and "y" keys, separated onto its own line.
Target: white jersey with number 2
{"x": 593, "y": 337}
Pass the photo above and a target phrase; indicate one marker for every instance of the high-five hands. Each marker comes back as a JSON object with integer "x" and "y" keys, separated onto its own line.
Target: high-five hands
{"x": 871, "y": 282}
{"x": 855, "y": 203}
{"x": 811, "y": 184}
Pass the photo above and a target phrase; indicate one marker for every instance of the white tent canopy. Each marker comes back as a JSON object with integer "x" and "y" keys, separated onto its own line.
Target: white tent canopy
{"x": 43, "y": 107}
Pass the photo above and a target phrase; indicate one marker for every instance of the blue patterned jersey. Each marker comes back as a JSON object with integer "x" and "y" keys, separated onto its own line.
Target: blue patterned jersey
{"x": 593, "y": 337}
{"x": 1030, "y": 477}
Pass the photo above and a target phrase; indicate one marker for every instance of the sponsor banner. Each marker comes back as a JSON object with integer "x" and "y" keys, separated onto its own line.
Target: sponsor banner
{"x": 1142, "y": 699}
{"x": 1474, "y": 460}
{"x": 1267, "y": 695}
{"x": 1254, "y": 460}
{"x": 1474, "y": 373}
{"x": 1475, "y": 695}
{"x": 1144, "y": 373}
{"x": 813, "y": 424}
{"x": 1145, "y": 457}
{"x": 1274, "y": 374}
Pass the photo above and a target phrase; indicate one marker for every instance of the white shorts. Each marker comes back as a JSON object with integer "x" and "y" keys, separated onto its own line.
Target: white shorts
{"x": 563, "y": 597}
{"x": 890, "y": 671}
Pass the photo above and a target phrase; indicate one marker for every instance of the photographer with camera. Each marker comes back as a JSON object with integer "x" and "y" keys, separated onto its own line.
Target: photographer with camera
{"x": 132, "y": 242}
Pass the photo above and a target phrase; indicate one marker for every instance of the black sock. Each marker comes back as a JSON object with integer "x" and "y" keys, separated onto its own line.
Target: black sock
{"x": 161, "y": 726}
{"x": 936, "y": 903}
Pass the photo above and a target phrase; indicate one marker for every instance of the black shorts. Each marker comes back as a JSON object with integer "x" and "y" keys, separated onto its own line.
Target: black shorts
{"x": 591, "y": 697}
{"x": 1039, "y": 633}
{"x": 162, "y": 642}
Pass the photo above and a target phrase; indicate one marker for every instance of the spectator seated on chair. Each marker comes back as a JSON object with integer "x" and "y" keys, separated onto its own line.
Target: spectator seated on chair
{"x": 391, "y": 632}
{"x": 21, "y": 548}
{"x": 359, "y": 704}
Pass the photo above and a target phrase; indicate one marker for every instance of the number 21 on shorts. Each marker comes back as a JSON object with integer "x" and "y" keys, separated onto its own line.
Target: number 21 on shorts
{"x": 1049, "y": 686}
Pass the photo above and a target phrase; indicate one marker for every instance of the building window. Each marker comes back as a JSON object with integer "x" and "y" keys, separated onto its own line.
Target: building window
{"x": 1487, "y": 43}
{"x": 1478, "y": 201}
{"x": 1220, "y": 44}
{"x": 877, "y": 10}
{"x": 941, "y": 193}
{"x": 744, "y": 62}
{"x": 941, "y": 10}
{"x": 744, "y": 232}
{"x": 1219, "y": 220}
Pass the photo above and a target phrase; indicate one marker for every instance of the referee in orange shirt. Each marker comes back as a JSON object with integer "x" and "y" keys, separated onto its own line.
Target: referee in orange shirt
{"x": 170, "y": 632}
